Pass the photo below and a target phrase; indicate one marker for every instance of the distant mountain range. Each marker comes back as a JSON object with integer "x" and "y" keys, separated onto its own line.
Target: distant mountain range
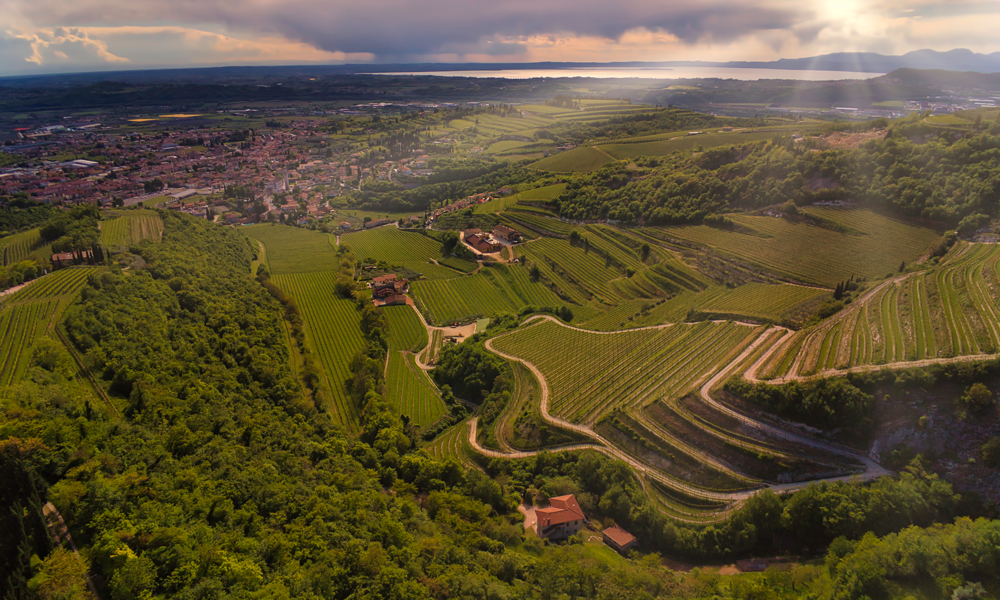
{"x": 960, "y": 60}
{"x": 862, "y": 62}
{"x": 870, "y": 62}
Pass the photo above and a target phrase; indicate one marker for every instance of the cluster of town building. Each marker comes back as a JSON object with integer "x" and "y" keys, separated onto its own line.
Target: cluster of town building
{"x": 195, "y": 165}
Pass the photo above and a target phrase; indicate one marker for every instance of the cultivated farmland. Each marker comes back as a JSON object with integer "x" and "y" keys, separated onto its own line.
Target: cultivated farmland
{"x": 947, "y": 311}
{"x": 130, "y": 227}
{"x": 577, "y": 160}
{"x": 29, "y": 313}
{"x": 492, "y": 290}
{"x": 409, "y": 249}
{"x": 17, "y": 247}
{"x": 333, "y": 332}
{"x": 590, "y": 374}
{"x": 812, "y": 253}
{"x": 410, "y": 390}
{"x": 756, "y": 300}
{"x": 294, "y": 250}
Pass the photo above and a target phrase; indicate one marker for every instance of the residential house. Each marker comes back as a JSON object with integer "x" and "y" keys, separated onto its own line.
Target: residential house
{"x": 502, "y": 232}
{"x": 377, "y": 223}
{"x": 389, "y": 285}
{"x": 561, "y": 519}
{"x": 619, "y": 539}
{"x": 482, "y": 243}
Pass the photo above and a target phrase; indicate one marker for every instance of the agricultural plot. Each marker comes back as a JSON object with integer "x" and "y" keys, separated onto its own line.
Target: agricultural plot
{"x": 294, "y": 250}
{"x": 430, "y": 354}
{"x": 20, "y": 326}
{"x": 626, "y": 150}
{"x": 587, "y": 271}
{"x": 454, "y": 444}
{"x": 537, "y": 221}
{"x": 493, "y": 290}
{"x": 802, "y": 251}
{"x": 406, "y": 331}
{"x": 17, "y": 247}
{"x": 32, "y": 311}
{"x": 756, "y": 300}
{"x": 461, "y": 299}
{"x": 590, "y": 374}
{"x": 577, "y": 160}
{"x": 412, "y": 250}
{"x": 496, "y": 205}
{"x": 131, "y": 227}
{"x": 949, "y": 310}
{"x": 333, "y": 332}
{"x": 410, "y": 391}
{"x": 542, "y": 194}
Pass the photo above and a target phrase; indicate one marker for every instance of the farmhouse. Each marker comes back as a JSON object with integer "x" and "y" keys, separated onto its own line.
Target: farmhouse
{"x": 619, "y": 539}
{"x": 482, "y": 243}
{"x": 502, "y": 232}
{"x": 389, "y": 285}
{"x": 66, "y": 259}
{"x": 395, "y": 300}
{"x": 377, "y": 223}
{"x": 561, "y": 519}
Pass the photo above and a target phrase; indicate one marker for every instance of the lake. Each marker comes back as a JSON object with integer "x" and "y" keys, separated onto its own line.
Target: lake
{"x": 655, "y": 73}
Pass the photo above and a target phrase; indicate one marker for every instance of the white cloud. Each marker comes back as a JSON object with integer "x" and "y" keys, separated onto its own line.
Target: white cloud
{"x": 54, "y": 48}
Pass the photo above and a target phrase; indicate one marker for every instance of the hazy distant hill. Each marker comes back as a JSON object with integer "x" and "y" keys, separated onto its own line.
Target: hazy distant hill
{"x": 870, "y": 62}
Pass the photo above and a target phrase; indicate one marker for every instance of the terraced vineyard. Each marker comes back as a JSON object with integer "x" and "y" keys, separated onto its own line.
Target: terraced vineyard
{"x": 30, "y": 313}
{"x": 756, "y": 300}
{"x": 17, "y": 247}
{"x": 130, "y": 227}
{"x": 406, "y": 331}
{"x": 333, "y": 332}
{"x": 591, "y": 374}
{"x": 410, "y": 391}
{"x": 492, "y": 290}
{"x": 947, "y": 311}
{"x": 454, "y": 444}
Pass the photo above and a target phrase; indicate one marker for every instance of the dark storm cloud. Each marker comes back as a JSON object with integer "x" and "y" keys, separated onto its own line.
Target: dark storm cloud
{"x": 401, "y": 28}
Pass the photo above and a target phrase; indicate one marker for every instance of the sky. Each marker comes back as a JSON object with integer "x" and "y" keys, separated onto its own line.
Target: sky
{"x": 54, "y": 36}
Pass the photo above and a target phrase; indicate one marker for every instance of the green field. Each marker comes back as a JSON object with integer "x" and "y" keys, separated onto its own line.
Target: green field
{"x": 945, "y": 311}
{"x": 406, "y": 332}
{"x": 590, "y": 374}
{"x": 410, "y": 391}
{"x": 130, "y": 227}
{"x": 332, "y": 330}
{"x": 492, "y": 290}
{"x": 293, "y": 250}
{"x": 18, "y": 247}
{"x": 756, "y": 300}
{"x": 30, "y": 313}
{"x": 813, "y": 254}
{"x": 409, "y": 249}
{"x": 577, "y": 160}
{"x": 626, "y": 150}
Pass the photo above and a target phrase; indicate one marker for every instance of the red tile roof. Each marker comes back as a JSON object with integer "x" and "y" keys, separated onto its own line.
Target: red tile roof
{"x": 562, "y": 509}
{"x": 619, "y": 536}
